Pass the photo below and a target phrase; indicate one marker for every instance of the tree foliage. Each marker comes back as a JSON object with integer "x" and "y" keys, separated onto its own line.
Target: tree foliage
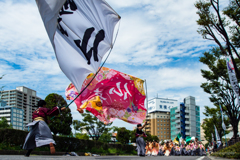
{"x": 214, "y": 26}
{"x": 82, "y": 136}
{"x": 218, "y": 85}
{"x": 92, "y": 125}
{"x": 123, "y": 135}
{"x": 105, "y": 137}
{"x": 61, "y": 123}
{"x": 214, "y": 118}
{"x": 4, "y": 123}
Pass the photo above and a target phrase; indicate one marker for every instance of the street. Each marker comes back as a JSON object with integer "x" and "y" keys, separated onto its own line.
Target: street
{"x": 21, "y": 157}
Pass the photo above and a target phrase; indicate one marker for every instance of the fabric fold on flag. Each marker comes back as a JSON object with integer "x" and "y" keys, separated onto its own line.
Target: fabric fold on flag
{"x": 112, "y": 95}
{"x": 81, "y": 32}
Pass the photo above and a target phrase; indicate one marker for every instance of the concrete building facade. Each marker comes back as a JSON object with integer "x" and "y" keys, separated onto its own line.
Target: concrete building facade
{"x": 22, "y": 98}
{"x": 158, "y": 118}
{"x": 158, "y": 124}
{"x": 185, "y": 119}
{"x": 13, "y": 115}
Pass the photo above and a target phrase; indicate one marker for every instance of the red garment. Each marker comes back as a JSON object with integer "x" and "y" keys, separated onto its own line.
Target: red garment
{"x": 44, "y": 112}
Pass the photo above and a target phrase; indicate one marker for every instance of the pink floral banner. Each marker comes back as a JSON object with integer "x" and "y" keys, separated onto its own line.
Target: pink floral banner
{"x": 112, "y": 95}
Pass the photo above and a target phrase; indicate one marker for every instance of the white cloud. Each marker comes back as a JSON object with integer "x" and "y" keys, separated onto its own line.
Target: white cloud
{"x": 154, "y": 37}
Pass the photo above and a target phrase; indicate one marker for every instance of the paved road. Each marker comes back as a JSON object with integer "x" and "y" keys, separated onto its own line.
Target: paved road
{"x": 19, "y": 157}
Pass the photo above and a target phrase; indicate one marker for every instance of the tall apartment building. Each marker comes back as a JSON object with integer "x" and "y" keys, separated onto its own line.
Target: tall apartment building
{"x": 13, "y": 115}
{"x": 158, "y": 118}
{"x": 185, "y": 119}
{"x": 22, "y": 98}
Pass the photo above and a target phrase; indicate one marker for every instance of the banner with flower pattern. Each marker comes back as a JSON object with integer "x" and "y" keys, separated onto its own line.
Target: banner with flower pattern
{"x": 112, "y": 95}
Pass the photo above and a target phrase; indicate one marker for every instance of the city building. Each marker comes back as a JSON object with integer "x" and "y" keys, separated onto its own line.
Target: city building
{"x": 2, "y": 103}
{"x": 158, "y": 118}
{"x": 22, "y": 98}
{"x": 13, "y": 115}
{"x": 185, "y": 119}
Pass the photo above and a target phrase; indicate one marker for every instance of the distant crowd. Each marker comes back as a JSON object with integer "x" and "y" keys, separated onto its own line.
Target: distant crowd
{"x": 169, "y": 148}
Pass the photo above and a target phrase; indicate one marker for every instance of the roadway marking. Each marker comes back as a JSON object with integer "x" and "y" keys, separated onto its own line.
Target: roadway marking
{"x": 201, "y": 158}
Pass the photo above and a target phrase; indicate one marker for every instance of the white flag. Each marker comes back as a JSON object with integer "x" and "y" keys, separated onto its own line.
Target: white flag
{"x": 216, "y": 134}
{"x": 223, "y": 124}
{"x": 81, "y": 32}
{"x": 232, "y": 77}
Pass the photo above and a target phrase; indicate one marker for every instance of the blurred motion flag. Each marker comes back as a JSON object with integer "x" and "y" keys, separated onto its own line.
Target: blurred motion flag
{"x": 112, "y": 95}
{"x": 81, "y": 32}
{"x": 188, "y": 139}
{"x": 177, "y": 139}
{"x": 223, "y": 124}
{"x": 232, "y": 77}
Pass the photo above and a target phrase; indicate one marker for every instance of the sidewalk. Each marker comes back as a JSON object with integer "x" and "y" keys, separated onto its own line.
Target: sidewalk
{"x": 218, "y": 158}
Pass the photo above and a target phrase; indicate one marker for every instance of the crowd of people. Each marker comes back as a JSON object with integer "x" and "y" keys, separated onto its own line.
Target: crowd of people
{"x": 170, "y": 148}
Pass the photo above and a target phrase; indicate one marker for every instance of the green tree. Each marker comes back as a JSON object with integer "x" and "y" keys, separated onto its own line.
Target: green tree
{"x": 76, "y": 125}
{"x": 148, "y": 138}
{"x": 4, "y": 123}
{"x": 155, "y": 138}
{"x": 60, "y": 124}
{"x": 214, "y": 26}
{"x": 123, "y": 135}
{"x": 82, "y": 136}
{"x": 219, "y": 87}
{"x": 93, "y": 126}
{"x": 105, "y": 137}
{"x": 214, "y": 118}
{"x": 133, "y": 136}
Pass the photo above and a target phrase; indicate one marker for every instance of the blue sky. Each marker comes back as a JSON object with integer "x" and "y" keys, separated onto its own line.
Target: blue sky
{"x": 157, "y": 41}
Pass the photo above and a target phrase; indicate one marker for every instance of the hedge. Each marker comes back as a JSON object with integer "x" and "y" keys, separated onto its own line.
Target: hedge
{"x": 232, "y": 151}
{"x": 11, "y": 139}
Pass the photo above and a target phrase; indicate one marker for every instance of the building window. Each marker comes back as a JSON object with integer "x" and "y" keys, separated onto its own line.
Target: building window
{"x": 160, "y": 106}
{"x": 165, "y": 107}
{"x": 164, "y": 124}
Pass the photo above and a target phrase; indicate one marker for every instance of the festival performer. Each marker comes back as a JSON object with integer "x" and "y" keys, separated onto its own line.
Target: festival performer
{"x": 182, "y": 148}
{"x": 139, "y": 139}
{"x": 167, "y": 149}
{"x": 196, "y": 149}
{"x": 160, "y": 153}
{"x": 177, "y": 150}
{"x": 148, "y": 149}
{"x": 202, "y": 149}
{"x": 155, "y": 148}
{"x": 191, "y": 146}
{"x": 172, "y": 152}
{"x": 40, "y": 134}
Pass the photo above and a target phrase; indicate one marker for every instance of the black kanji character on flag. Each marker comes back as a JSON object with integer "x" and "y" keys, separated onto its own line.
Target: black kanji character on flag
{"x": 87, "y": 35}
